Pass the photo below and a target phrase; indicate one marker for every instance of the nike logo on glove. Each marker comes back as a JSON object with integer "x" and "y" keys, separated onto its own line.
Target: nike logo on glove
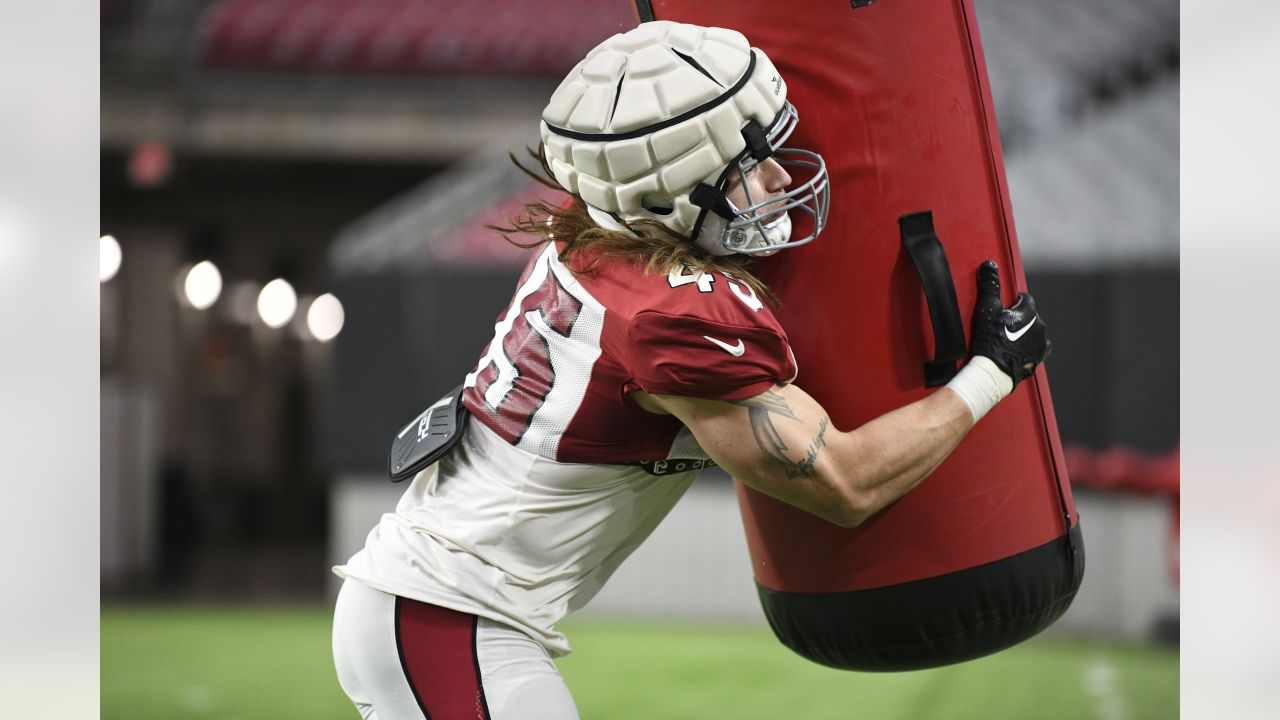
{"x": 1013, "y": 336}
{"x": 734, "y": 350}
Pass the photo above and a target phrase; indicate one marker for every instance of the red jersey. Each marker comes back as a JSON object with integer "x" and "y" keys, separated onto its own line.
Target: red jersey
{"x": 555, "y": 380}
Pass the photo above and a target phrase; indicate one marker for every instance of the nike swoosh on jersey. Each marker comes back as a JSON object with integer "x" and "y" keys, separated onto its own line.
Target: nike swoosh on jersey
{"x": 1013, "y": 336}
{"x": 734, "y": 350}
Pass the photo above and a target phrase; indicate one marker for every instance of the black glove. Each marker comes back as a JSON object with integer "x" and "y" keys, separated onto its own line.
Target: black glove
{"x": 1013, "y": 338}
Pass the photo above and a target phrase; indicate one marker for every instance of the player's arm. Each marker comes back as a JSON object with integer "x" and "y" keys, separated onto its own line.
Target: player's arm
{"x": 781, "y": 442}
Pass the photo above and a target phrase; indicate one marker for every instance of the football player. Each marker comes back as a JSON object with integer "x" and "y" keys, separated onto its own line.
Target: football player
{"x": 637, "y": 349}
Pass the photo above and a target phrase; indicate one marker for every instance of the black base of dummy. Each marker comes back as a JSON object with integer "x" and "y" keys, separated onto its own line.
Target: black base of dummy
{"x": 935, "y": 621}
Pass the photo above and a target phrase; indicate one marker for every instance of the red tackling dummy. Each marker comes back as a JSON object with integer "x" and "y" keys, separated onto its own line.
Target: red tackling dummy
{"x": 986, "y": 552}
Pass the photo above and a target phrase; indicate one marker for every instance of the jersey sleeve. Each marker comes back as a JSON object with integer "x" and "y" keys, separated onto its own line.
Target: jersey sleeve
{"x": 695, "y": 357}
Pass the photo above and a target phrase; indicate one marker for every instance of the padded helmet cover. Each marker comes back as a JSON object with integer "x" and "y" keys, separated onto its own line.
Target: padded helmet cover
{"x": 651, "y": 113}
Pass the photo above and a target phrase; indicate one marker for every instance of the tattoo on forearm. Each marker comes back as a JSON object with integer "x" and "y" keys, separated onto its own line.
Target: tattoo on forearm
{"x": 811, "y": 457}
{"x": 760, "y": 410}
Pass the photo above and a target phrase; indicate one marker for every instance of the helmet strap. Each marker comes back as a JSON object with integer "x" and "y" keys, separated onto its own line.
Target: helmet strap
{"x": 757, "y": 141}
{"x": 709, "y": 198}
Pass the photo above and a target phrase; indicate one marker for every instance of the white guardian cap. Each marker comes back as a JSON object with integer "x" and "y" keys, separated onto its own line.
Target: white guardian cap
{"x": 654, "y": 122}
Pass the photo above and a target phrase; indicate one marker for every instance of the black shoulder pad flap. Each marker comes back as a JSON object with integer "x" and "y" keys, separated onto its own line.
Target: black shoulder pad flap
{"x": 425, "y": 440}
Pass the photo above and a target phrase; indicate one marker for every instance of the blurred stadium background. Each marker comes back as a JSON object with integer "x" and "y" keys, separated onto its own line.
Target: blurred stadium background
{"x": 355, "y": 149}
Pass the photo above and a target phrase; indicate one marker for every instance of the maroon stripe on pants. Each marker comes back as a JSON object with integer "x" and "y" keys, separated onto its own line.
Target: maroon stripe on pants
{"x": 438, "y": 654}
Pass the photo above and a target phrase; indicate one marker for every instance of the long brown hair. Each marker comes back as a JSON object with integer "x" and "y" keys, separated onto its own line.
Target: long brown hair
{"x": 654, "y": 248}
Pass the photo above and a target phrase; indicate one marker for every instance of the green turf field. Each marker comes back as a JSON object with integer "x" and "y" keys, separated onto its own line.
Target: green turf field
{"x": 170, "y": 663}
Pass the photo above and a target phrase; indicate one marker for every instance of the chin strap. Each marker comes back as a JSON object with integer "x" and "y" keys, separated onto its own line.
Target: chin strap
{"x": 709, "y": 198}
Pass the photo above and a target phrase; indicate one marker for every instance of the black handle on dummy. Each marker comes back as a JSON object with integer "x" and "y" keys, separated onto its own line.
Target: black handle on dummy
{"x": 929, "y": 257}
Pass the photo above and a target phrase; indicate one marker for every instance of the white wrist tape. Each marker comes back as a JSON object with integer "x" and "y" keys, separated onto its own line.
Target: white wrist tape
{"x": 981, "y": 384}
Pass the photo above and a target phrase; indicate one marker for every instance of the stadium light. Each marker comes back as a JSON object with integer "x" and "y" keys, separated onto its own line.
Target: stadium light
{"x": 277, "y": 303}
{"x": 109, "y": 257}
{"x": 325, "y": 317}
{"x": 203, "y": 284}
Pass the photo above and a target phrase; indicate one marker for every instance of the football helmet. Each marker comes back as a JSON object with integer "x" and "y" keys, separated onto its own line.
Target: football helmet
{"x": 656, "y": 122}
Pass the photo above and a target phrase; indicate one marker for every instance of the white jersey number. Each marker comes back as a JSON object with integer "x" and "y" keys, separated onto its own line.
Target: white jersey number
{"x": 704, "y": 281}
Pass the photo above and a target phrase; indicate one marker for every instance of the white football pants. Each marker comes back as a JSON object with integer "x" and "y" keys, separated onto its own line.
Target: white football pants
{"x": 399, "y": 659}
